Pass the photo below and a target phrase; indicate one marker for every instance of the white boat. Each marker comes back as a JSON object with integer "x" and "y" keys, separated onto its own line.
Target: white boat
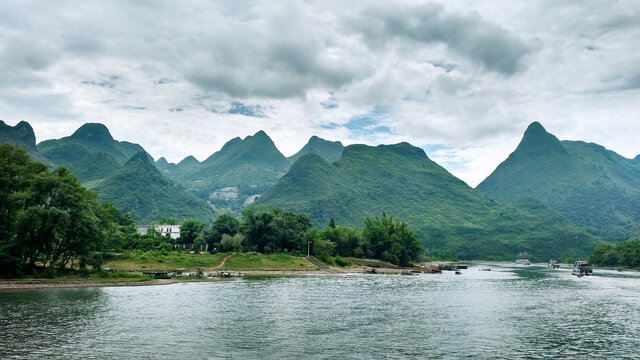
{"x": 523, "y": 262}
{"x": 553, "y": 264}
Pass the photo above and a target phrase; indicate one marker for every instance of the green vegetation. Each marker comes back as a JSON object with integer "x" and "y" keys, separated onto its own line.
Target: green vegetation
{"x": 445, "y": 212}
{"x": 49, "y": 221}
{"x": 266, "y": 262}
{"x": 140, "y": 189}
{"x": 161, "y": 260}
{"x": 93, "y": 167}
{"x": 593, "y": 187}
{"x": 623, "y": 254}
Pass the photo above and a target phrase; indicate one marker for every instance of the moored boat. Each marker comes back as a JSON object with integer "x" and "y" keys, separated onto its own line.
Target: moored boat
{"x": 582, "y": 267}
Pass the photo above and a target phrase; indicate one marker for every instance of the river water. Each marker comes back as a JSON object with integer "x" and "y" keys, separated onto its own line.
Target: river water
{"x": 510, "y": 312}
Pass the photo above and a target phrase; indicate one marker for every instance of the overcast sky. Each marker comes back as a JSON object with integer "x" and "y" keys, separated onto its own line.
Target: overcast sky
{"x": 461, "y": 79}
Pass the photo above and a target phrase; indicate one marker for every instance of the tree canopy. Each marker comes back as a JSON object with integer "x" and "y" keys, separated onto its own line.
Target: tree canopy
{"x": 47, "y": 219}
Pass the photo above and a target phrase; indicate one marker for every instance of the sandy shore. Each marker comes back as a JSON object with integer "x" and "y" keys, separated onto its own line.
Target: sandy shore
{"x": 33, "y": 284}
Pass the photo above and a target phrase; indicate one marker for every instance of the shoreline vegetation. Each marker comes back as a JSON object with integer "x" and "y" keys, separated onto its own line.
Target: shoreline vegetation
{"x": 250, "y": 266}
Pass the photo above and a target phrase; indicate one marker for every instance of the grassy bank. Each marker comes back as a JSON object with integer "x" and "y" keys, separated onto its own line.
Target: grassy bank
{"x": 267, "y": 262}
{"x": 157, "y": 260}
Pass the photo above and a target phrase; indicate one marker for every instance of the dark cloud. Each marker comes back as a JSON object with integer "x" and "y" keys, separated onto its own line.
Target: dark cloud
{"x": 467, "y": 35}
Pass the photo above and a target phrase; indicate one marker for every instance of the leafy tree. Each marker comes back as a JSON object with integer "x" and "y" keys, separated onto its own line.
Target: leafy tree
{"x": 198, "y": 243}
{"x": 274, "y": 229}
{"x": 190, "y": 230}
{"x": 48, "y": 219}
{"x": 224, "y": 224}
{"x": 232, "y": 243}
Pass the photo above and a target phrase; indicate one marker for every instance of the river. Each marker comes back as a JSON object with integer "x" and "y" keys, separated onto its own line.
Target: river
{"x": 511, "y": 312}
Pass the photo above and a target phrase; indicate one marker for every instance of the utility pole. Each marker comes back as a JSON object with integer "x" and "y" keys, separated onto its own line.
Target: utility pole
{"x": 308, "y": 248}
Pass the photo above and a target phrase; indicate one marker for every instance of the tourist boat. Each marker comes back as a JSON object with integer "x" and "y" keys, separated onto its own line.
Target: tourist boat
{"x": 581, "y": 267}
{"x": 523, "y": 262}
{"x": 484, "y": 268}
{"x": 553, "y": 264}
{"x": 427, "y": 269}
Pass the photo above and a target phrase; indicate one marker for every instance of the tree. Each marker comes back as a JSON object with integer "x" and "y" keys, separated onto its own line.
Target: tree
{"x": 224, "y": 224}
{"x": 48, "y": 219}
{"x": 232, "y": 243}
{"x": 190, "y": 230}
{"x": 198, "y": 243}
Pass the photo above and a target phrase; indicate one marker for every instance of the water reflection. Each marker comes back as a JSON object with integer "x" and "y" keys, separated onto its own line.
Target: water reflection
{"x": 510, "y": 312}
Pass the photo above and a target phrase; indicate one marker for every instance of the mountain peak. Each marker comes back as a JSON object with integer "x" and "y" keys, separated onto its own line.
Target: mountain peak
{"x": 537, "y": 140}
{"x": 140, "y": 158}
{"x": 189, "y": 160}
{"x": 94, "y": 132}
{"x": 162, "y": 162}
{"x": 21, "y": 134}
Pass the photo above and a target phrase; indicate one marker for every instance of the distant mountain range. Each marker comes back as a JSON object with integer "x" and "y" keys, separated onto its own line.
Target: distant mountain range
{"x": 447, "y": 214}
{"x": 593, "y": 187}
{"x": 231, "y": 177}
{"x": 138, "y": 187}
{"x": 550, "y": 198}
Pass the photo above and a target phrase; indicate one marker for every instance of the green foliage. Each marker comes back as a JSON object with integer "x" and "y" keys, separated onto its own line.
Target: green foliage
{"x": 232, "y": 243}
{"x": 223, "y": 225}
{"x": 190, "y": 230}
{"x": 623, "y": 254}
{"x": 445, "y": 213}
{"x": 168, "y": 221}
{"x": 593, "y": 187}
{"x": 274, "y": 229}
{"x": 48, "y": 219}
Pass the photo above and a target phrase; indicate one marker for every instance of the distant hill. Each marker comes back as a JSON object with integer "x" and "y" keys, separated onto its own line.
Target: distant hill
{"x": 94, "y": 166}
{"x": 593, "y": 187}
{"x": 330, "y": 150}
{"x": 89, "y": 139}
{"x": 447, "y": 214}
{"x": 139, "y": 187}
{"x": 20, "y": 135}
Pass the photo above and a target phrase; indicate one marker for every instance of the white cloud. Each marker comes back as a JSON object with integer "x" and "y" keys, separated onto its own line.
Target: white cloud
{"x": 466, "y": 76}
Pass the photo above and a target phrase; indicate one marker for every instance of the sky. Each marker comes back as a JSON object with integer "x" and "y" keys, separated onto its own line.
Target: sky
{"x": 460, "y": 79}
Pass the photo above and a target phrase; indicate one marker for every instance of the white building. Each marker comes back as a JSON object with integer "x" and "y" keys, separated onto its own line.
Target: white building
{"x": 164, "y": 229}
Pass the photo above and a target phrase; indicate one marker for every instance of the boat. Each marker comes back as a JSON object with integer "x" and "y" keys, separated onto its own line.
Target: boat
{"x": 523, "y": 262}
{"x": 458, "y": 272}
{"x": 582, "y": 267}
{"x": 553, "y": 264}
{"x": 484, "y": 268}
{"x": 372, "y": 271}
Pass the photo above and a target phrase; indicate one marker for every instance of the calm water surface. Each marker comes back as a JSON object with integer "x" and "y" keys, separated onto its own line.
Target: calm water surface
{"x": 510, "y": 312}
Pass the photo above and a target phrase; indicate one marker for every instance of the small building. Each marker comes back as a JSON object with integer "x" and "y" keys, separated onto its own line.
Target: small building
{"x": 163, "y": 229}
